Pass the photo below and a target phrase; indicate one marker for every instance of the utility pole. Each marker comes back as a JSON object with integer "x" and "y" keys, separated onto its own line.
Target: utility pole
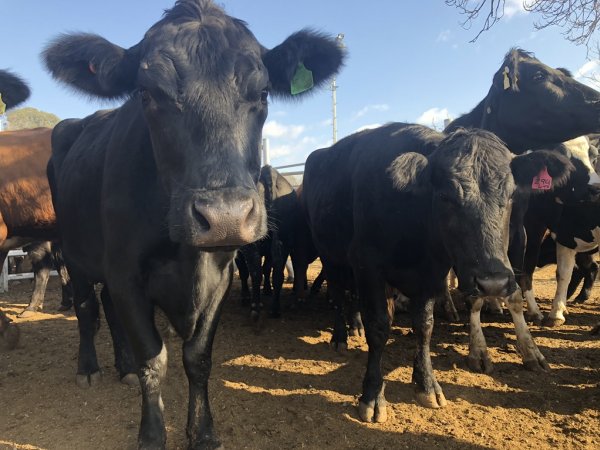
{"x": 339, "y": 38}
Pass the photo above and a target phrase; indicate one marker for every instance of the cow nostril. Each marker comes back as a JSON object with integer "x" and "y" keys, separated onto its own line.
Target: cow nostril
{"x": 201, "y": 220}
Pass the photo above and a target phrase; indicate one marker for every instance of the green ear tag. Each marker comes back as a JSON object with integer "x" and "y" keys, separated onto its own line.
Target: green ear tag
{"x": 302, "y": 80}
{"x": 2, "y": 105}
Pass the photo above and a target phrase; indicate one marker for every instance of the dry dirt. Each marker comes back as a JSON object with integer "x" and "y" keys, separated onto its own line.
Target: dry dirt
{"x": 286, "y": 389}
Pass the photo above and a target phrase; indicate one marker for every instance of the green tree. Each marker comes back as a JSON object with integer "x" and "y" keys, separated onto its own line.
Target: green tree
{"x": 30, "y": 118}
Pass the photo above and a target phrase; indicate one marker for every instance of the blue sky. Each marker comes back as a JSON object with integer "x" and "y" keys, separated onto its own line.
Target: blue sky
{"x": 407, "y": 60}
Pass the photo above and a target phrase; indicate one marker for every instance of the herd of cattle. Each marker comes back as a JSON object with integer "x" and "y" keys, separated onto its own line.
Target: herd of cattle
{"x": 154, "y": 198}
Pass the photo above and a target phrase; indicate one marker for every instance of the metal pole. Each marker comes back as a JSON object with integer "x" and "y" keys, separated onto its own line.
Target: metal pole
{"x": 339, "y": 38}
{"x": 266, "y": 157}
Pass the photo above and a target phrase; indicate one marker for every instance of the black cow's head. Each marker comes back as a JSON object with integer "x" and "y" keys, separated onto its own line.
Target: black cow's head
{"x": 13, "y": 90}
{"x": 470, "y": 179}
{"x": 531, "y": 105}
{"x": 202, "y": 81}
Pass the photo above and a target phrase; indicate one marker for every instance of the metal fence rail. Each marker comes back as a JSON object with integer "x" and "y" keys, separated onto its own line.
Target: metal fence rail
{"x": 5, "y": 277}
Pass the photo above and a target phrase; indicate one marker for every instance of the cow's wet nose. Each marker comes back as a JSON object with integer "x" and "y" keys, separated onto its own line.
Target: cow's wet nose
{"x": 497, "y": 284}
{"x": 227, "y": 222}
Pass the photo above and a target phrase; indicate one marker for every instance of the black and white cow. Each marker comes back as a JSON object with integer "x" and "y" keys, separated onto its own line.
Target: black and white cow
{"x": 154, "y": 197}
{"x": 401, "y": 204}
{"x": 566, "y": 213}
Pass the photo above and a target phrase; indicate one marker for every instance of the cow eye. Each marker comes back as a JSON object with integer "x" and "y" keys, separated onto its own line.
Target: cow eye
{"x": 264, "y": 96}
{"x": 539, "y": 76}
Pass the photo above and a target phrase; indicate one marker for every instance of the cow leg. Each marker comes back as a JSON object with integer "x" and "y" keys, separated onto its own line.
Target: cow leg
{"x": 124, "y": 360}
{"x": 318, "y": 283}
{"x": 532, "y": 357}
{"x": 535, "y": 236}
{"x": 494, "y": 305}
{"x": 41, "y": 262}
{"x": 266, "y": 272}
{"x": 427, "y": 390}
{"x": 240, "y": 262}
{"x": 448, "y": 304}
{"x": 88, "y": 319}
{"x": 300, "y": 269}
{"x": 150, "y": 355}
{"x": 66, "y": 302}
{"x": 197, "y": 353}
{"x": 372, "y": 406}
{"x": 339, "y": 338}
{"x": 478, "y": 359}
{"x": 565, "y": 262}
{"x": 290, "y": 271}
{"x": 357, "y": 327}
{"x": 588, "y": 270}
{"x": 254, "y": 263}
{"x": 279, "y": 257}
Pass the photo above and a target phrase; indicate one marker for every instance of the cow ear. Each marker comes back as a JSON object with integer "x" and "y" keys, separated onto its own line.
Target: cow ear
{"x": 13, "y": 90}
{"x": 92, "y": 65}
{"x": 304, "y": 60}
{"x": 529, "y": 166}
{"x": 410, "y": 172}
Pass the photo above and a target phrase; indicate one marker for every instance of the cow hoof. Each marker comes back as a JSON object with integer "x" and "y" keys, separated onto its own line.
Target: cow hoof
{"x": 85, "y": 381}
{"x": 373, "y": 412}
{"x": 552, "y": 323}
{"x": 482, "y": 364}
{"x": 62, "y": 307}
{"x": 433, "y": 400}
{"x": 534, "y": 319}
{"x": 28, "y": 313}
{"x": 537, "y": 365}
{"x": 131, "y": 379}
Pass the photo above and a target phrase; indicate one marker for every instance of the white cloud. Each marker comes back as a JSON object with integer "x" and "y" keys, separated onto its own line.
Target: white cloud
{"x": 367, "y": 127}
{"x": 444, "y": 36}
{"x": 370, "y": 108}
{"x": 434, "y": 117}
{"x": 274, "y": 129}
{"x": 589, "y": 74}
{"x": 513, "y": 8}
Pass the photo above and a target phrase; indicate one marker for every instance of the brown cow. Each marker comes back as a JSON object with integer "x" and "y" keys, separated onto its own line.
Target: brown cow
{"x": 13, "y": 91}
{"x": 26, "y": 211}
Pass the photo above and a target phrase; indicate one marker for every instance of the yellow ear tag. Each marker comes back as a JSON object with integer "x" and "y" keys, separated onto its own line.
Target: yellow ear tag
{"x": 506, "y": 79}
{"x": 2, "y": 106}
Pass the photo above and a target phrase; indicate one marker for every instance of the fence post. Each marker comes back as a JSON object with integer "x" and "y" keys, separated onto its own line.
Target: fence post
{"x": 265, "y": 152}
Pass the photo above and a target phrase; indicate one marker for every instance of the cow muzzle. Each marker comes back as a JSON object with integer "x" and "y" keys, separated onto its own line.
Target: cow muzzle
{"x": 230, "y": 217}
{"x": 495, "y": 284}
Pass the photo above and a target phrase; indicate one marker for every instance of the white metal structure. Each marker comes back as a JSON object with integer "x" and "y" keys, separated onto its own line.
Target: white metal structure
{"x": 5, "y": 277}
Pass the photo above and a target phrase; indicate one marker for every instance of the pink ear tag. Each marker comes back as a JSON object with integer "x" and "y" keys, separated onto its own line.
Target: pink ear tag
{"x": 542, "y": 181}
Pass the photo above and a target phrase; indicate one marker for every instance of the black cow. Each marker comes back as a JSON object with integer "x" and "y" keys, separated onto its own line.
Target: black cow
{"x": 400, "y": 205}
{"x": 154, "y": 197}
{"x": 13, "y": 90}
{"x": 44, "y": 257}
{"x": 530, "y": 106}
{"x": 282, "y": 207}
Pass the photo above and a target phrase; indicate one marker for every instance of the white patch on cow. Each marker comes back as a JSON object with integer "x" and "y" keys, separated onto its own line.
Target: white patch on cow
{"x": 558, "y": 200}
{"x": 565, "y": 261}
{"x": 584, "y": 246}
{"x": 580, "y": 149}
{"x": 532, "y": 307}
{"x": 553, "y": 235}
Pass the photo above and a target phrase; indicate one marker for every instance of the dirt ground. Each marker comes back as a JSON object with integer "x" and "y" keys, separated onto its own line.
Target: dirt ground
{"x": 286, "y": 389}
